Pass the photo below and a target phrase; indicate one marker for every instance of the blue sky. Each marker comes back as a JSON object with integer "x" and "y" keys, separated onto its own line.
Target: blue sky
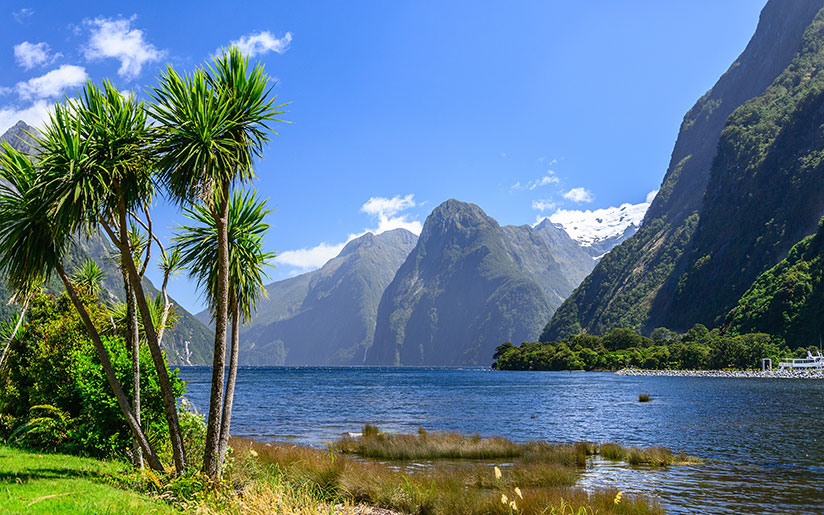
{"x": 523, "y": 108}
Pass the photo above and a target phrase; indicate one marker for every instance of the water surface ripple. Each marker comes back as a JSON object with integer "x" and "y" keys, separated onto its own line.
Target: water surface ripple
{"x": 763, "y": 438}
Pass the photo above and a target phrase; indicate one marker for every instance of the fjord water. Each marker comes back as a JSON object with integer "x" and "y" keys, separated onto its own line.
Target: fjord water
{"x": 762, "y": 439}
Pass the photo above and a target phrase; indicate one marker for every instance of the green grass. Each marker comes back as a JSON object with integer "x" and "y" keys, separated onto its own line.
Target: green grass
{"x": 33, "y": 482}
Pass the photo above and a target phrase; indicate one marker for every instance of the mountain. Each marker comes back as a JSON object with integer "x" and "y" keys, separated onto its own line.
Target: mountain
{"x": 189, "y": 343}
{"x": 740, "y": 190}
{"x": 787, "y": 300}
{"x": 18, "y": 136}
{"x": 327, "y": 316}
{"x": 470, "y": 285}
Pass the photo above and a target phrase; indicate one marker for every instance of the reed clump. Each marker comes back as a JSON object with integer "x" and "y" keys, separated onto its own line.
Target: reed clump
{"x": 373, "y": 443}
{"x": 539, "y": 480}
{"x": 655, "y": 457}
{"x": 425, "y": 446}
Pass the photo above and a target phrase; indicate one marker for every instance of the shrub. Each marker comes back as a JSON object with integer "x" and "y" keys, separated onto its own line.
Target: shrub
{"x": 52, "y": 362}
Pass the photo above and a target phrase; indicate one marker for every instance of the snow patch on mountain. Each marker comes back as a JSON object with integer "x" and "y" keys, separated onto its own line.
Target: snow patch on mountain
{"x": 592, "y": 227}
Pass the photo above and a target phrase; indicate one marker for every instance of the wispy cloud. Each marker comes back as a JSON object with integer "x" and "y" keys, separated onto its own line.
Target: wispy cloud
{"x": 579, "y": 195}
{"x": 116, "y": 39}
{"x": 20, "y": 15}
{"x": 52, "y": 84}
{"x": 651, "y": 196}
{"x": 385, "y": 210}
{"x": 549, "y": 178}
{"x": 259, "y": 43}
{"x": 30, "y": 55}
{"x": 543, "y": 205}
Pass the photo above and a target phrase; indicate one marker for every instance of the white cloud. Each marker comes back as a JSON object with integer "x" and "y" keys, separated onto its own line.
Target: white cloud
{"x": 115, "y": 38}
{"x": 262, "y": 43}
{"x": 29, "y": 55}
{"x": 579, "y": 195}
{"x": 386, "y": 209}
{"x": 35, "y": 115}
{"x": 651, "y": 196}
{"x": 382, "y": 208}
{"x": 310, "y": 258}
{"x": 21, "y": 14}
{"x": 52, "y": 84}
{"x": 543, "y": 205}
{"x": 515, "y": 186}
{"x": 549, "y": 178}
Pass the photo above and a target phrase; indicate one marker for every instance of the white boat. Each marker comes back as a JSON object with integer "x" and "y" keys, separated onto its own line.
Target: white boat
{"x": 810, "y": 362}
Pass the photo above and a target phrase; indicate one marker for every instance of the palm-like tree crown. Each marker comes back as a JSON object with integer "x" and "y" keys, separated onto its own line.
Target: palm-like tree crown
{"x": 212, "y": 123}
{"x": 90, "y": 276}
{"x": 31, "y": 243}
{"x": 94, "y": 156}
{"x": 198, "y": 251}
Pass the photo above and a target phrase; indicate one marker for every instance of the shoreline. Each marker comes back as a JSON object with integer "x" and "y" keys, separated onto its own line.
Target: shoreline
{"x": 743, "y": 374}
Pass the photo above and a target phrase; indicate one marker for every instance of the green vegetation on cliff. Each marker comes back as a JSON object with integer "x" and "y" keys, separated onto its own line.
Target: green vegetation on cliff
{"x": 788, "y": 299}
{"x": 764, "y": 193}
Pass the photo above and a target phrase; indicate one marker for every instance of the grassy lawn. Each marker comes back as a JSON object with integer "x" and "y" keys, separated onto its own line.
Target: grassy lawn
{"x": 56, "y": 483}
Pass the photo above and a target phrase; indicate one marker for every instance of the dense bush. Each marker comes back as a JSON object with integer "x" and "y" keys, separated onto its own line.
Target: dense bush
{"x": 53, "y": 363}
{"x": 699, "y": 348}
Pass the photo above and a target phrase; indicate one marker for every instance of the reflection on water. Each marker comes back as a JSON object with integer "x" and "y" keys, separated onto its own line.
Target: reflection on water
{"x": 762, "y": 438}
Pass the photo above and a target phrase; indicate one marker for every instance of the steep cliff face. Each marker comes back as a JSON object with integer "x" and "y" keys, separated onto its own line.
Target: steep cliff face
{"x": 327, "y": 317}
{"x": 765, "y": 189}
{"x": 639, "y": 283}
{"x": 470, "y": 285}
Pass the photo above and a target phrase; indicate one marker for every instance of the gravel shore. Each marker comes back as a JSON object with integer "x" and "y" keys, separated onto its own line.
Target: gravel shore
{"x": 770, "y": 374}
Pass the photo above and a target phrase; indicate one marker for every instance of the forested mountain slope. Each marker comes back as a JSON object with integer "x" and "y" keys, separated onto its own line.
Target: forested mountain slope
{"x": 787, "y": 300}
{"x": 701, "y": 243}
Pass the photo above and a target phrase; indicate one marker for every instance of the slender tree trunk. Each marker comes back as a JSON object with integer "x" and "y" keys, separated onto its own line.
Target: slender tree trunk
{"x": 14, "y": 332}
{"x": 230, "y": 386}
{"x": 159, "y": 360}
{"x": 213, "y": 424}
{"x": 133, "y": 341}
{"x": 122, "y": 400}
